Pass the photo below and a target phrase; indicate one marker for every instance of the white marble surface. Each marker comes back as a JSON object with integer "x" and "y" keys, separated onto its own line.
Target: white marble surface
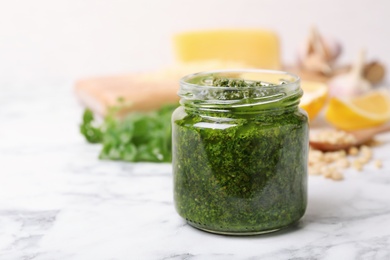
{"x": 58, "y": 201}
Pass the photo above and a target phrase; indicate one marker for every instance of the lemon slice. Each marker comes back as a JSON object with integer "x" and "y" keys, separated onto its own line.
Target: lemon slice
{"x": 371, "y": 109}
{"x": 314, "y": 97}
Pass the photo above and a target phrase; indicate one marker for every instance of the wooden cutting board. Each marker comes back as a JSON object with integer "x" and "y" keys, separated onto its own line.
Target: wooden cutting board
{"x": 141, "y": 92}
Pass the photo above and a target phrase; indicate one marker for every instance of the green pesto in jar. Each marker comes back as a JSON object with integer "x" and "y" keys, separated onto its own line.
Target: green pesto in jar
{"x": 240, "y": 152}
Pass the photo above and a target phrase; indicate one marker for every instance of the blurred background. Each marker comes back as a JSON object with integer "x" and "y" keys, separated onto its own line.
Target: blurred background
{"x": 67, "y": 40}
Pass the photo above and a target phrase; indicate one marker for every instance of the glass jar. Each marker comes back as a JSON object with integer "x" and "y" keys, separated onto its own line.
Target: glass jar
{"x": 240, "y": 151}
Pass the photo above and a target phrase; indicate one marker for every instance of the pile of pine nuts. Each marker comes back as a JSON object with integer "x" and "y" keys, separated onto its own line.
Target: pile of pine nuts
{"x": 333, "y": 137}
{"x": 331, "y": 164}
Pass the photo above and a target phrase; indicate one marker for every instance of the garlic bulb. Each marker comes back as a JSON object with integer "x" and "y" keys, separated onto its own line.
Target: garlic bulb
{"x": 352, "y": 83}
{"x": 318, "y": 54}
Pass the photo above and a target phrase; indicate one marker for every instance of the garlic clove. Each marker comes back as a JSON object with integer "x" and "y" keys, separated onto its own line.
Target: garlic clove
{"x": 316, "y": 63}
{"x": 333, "y": 49}
{"x": 351, "y": 83}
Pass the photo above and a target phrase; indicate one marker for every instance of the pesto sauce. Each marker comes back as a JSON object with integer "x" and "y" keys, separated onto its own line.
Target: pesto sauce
{"x": 240, "y": 174}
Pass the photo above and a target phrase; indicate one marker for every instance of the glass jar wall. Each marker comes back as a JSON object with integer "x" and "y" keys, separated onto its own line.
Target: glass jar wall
{"x": 240, "y": 147}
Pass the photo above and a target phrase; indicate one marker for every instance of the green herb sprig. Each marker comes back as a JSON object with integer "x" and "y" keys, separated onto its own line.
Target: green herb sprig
{"x": 137, "y": 137}
{"x": 92, "y": 133}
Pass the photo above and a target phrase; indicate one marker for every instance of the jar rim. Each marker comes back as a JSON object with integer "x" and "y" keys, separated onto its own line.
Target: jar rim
{"x": 282, "y": 92}
{"x": 291, "y": 85}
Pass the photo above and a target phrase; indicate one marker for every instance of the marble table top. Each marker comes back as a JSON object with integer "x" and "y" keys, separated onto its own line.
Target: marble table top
{"x": 58, "y": 201}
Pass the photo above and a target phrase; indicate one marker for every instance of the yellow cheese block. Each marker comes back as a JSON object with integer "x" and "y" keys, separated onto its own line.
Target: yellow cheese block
{"x": 257, "y": 48}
